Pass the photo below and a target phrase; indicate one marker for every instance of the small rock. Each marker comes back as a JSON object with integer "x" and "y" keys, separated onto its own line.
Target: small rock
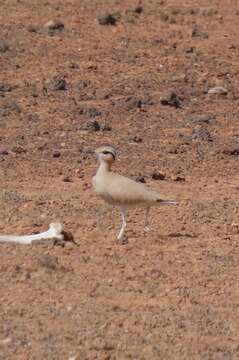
{"x": 138, "y": 9}
{"x": 66, "y": 178}
{"x": 148, "y": 100}
{"x": 3, "y": 151}
{"x": 6, "y": 87}
{"x": 90, "y": 112}
{"x": 158, "y": 176}
{"x": 18, "y": 149}
{"x": 13, "y": 106}
{"x": 133, "y": 102}
{"x": 218, "y": 90}
{"x": 194, "y": 118}
{"x": 178, "y": 178}
{"x": 170, "y": 98}
{"x": 136, "y": 139}
{"x": 81, "y": 85}
{"x": 91, "y": 125}
{"x": 107, "y": 19}
{"x": 53, "y": 25}
{"x": 56, "y": 154}
{"x": 201, "y": 133}
{"x": 196, "y": 32}
{"x": 190, "y": 50}
{"x": 140, "y": 178}
{"x": 105, "y": 127}
{"x": 32, "y": 29}
{"x": 56, "y": 84}
{"x": 233, "y": 151}
{"x": 48, "y": 261}
{"x": 3, "y": 46}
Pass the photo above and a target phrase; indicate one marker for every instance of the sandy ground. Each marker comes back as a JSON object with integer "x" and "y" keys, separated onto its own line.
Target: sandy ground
{"x": 69, "y": 86}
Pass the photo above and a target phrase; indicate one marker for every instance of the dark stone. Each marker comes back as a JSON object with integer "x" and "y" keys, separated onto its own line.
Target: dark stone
{"x": 9, "y": 107}
{"x": 91, "y": 125}
{"x": 3, "y": 151}
{"x": 133, "y": 102}
{"x": 90, "y": 112}
{"x": 196, "y": 32}
{"x": 158, "y": 176}
{"x": 56, "y": 154}
{"x": 6, "y": 87}
{"x": 67, "y": 178}
{"x": 140, "y": 178}
{"x": 201, "y": 133}
{"x": 82, "y": 85}
{"x": 32, "y": 29}
{"x": 233, "y": 152}
{"x": 107, "y": 19}
{"x": 3, "y": 46}
{"x": 56, "y": 84}
{"x": 179, "y": 178}
{"x": 138, "y": 9}
{"x": 170, "y": 98}
{"x": 106, "y": 127}
{"x": 194, "y": 118}
{"x": 18, "y": 149}
{"x": 54, "y": 25}
{"x": 136, "y": 139}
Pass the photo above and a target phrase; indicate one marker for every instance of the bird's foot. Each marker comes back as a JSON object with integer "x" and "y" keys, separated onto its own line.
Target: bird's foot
{"x": 147, "y": 228}
{"x": 122, "y": 241}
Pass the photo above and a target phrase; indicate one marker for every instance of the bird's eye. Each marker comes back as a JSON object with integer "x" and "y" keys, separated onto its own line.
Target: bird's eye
{"x": 105, "y": 152}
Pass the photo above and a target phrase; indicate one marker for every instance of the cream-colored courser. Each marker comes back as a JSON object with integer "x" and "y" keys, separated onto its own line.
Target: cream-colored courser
{"x": 121, "y": 191}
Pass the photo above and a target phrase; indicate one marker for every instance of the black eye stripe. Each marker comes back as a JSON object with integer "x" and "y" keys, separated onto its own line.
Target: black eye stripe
{"x": 108, "y": 152}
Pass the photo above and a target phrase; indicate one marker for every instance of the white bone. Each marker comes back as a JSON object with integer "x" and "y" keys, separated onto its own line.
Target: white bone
{"x": 54, "y": 232}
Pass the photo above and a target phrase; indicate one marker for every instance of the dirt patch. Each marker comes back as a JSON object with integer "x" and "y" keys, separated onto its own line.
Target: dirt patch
{"x": 71, "y": 79}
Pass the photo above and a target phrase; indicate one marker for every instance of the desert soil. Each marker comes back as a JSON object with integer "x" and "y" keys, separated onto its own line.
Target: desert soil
{"x": 158, "y": 80}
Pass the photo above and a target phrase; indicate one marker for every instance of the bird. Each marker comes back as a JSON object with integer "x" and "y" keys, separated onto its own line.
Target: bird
{"x": 121, "y": 191}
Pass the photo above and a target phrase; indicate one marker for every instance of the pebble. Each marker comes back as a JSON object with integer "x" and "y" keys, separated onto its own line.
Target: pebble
{"x": 201, "y": 133}
{"x": 135, "y": 139}
{"x": 138, "y": 9}
{"x": 158, "y": 176}
{"x": 140, "y": 178}
{"x": 66, "y": 178}
{"x": 218, "y": 90}
{"x": 90, "y": 112}
{"x": 170, "y": 98}
{"x": 6, "y": 87}
{"x": 56, "y": 154}
{"x": 91, "y": 125}
{"x": 195, "y": 118}
{"x": 3, "y": 151}
{"x": 81, "y": 85}
{"x": 178, "y": 178}
{"x": 3, "y": 46}
{"x": 53, "y": 25}
{"x": 233, "y": 151}
{"x": 133, "y": 102}
{"x": 196, "y": 32}
{"x": 56, "y": 84}
{"x": 107, "y": 19}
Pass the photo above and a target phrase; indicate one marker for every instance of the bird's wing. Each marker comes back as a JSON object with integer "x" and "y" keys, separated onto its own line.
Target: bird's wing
{"x": 129, "y": 192}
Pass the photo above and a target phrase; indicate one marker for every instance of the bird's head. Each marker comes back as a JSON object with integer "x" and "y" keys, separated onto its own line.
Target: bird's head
{"x": 106, "y": 153}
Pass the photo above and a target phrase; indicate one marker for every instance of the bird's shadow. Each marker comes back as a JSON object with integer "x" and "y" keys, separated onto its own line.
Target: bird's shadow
{"x": 179, "y": 235}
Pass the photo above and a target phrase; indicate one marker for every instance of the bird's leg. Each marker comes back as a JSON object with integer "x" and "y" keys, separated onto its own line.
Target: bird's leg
{"x": 146, "y": 221}
{"x": 123, "y": 214}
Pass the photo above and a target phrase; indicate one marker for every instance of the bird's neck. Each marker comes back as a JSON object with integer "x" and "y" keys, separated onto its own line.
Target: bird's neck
{"x": 103, "y": 168}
